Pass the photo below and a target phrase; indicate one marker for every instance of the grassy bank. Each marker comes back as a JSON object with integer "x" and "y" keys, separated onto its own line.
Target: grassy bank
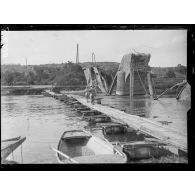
{"x": 161, "y": 84}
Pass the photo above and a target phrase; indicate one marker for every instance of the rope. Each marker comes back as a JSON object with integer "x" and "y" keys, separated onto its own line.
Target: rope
{"x": 142, "y": 82}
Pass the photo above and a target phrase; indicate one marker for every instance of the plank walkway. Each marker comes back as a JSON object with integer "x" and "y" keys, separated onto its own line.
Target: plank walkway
{"x": 167, "y": 134}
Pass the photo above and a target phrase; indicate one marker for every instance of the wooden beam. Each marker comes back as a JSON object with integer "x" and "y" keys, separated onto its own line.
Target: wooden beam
{"x": 150, "y": 84}
{"x": 113, "y": 84}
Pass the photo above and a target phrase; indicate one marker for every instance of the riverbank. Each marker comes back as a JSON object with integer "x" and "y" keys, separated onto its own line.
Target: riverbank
{"x": 159, "y": 86}
{"x": 35, "y": 89}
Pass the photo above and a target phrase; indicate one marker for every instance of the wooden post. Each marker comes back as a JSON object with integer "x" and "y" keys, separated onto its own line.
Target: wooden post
{"x": 150, "y": 84}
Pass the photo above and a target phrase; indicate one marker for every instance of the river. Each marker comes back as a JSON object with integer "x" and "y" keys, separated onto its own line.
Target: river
{"x": 43, "y": 120}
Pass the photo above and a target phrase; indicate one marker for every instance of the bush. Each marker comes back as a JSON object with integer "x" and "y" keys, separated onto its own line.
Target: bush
{"x": 9, "y": 77}
{"x": 170, "y": 74}
{"x": 181, "y": 69}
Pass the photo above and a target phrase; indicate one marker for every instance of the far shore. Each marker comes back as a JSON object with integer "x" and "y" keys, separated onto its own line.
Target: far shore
{"x": 26, "y": 86}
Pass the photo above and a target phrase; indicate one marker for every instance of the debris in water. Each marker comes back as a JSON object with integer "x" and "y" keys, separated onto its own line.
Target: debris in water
{"x": 164, "y": 122}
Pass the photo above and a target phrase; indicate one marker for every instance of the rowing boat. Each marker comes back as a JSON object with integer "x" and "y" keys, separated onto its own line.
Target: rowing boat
{"x": 50, "y": 93}
{"x": 142, "y": 150}
{"x": 80, "y": 146}
{"x": 97, "y": 118}
{"x": 9, "y": 145}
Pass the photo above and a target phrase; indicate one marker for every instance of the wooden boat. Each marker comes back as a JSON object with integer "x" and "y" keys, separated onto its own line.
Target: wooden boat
{"x": 142, "y": 150}
{"x": 82, "y": 109}
{"x": 58, "y": 95}
{"x": 113, "y": 128}
{"x": 97, "y": 118}
{"x": 8, "y": 162}
{"x": 72, "y": 103}
{"x": 50, "y": 93}
{"x": 90, "y": 113}
{"x": 9, "y": 145}
{"x": 80, "y": 146}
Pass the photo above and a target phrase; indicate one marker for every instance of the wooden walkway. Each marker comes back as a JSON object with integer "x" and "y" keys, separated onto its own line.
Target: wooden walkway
{"x": 147, "y": 126}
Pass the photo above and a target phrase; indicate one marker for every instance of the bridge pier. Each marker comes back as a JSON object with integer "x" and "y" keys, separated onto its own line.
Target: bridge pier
{"x": 131, "y": 83}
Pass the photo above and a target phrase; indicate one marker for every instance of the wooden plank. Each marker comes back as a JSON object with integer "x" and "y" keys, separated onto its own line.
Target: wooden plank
{"x": 99, "y": 81}
{"x": 147, "y": 126}
{"x": 113, "y": 84}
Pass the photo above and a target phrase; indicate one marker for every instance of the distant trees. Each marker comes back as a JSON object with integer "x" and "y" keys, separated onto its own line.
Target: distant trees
{"x": 170, "y": 74}
{"x": 181, "y": 69}
{"x": 12, "y": 77}
{"x": 70, "y": 74}
{"x": 63, "y": 74}
{"x": 9, "y": 77}
{"x": 30, "y": 78}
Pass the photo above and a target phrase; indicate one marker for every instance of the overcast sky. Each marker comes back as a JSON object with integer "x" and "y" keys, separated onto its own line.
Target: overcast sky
{"x": 167, "y": 47}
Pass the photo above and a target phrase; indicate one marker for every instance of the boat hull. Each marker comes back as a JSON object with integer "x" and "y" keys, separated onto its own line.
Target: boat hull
{"x": 142, "y": 150}
{"x": 8, "y": 146}
{"x": 88, "y": 149}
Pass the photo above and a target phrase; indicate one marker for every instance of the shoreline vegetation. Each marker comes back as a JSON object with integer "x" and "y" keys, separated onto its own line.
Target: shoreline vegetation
{"x": 24, "y": 80}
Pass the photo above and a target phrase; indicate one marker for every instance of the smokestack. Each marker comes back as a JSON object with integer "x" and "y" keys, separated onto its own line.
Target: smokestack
{"x": 77, "y": 55}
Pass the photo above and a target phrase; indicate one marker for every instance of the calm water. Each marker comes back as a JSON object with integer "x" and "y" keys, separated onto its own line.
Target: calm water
{"x": 43, "y": 120}
{"x": 164, "y": 109}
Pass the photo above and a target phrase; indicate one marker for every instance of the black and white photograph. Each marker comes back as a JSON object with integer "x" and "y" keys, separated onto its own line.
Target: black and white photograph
{"x": 94, "y": 96}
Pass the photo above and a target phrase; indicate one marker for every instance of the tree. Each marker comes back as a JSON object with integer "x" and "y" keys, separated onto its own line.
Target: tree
{"x": 30, "y": 78}
{"x": 9, "y": 78}
{"x": 181, "y": 69}
{"x": 170, "y": 74}
{"x": 70, "y": 62}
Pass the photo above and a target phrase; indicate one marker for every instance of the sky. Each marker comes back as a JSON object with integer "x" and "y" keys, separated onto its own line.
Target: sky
{"x": 167, "y": 47}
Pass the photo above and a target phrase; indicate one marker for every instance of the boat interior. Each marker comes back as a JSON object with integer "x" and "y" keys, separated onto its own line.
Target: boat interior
{"x": 78, "y": 144}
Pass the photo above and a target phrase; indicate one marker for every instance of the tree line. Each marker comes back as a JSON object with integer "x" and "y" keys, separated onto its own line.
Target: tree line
{"x": 66, "y": 74}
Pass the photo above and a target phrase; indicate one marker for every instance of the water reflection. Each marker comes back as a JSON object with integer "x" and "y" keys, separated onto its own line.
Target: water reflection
{"x": 166, "y": 109}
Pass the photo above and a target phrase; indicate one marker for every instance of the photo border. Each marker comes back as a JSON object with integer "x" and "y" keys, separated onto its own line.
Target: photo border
{"x": 120, "y": 167}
